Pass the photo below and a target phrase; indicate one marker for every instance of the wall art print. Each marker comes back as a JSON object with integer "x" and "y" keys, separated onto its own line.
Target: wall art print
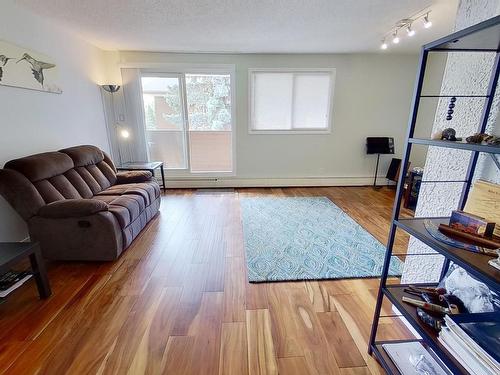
{"x": 21, "y": 67}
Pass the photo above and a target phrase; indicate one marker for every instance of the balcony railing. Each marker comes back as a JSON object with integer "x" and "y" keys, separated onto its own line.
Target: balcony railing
{"x": 209, "y": 150}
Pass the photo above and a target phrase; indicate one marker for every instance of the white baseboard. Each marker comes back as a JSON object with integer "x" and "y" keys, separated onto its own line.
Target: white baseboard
{"x": 234, "y": 182}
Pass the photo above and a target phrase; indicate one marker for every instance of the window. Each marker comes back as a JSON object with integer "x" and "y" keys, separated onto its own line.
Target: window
{"x": 188, "y": 121}
{"x": 290, "y": 101}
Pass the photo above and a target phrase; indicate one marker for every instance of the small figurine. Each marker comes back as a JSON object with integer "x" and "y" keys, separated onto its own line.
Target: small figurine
{"x": 449, "y": 134}
{"x": 479, "y": 138}
{"x": 492, "y": 140}
{"x": 476, "y": 138}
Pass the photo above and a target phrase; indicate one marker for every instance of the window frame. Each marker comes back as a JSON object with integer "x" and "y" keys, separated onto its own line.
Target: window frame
{"x": 166, "y": 69}
{"x": 251, "y": 104}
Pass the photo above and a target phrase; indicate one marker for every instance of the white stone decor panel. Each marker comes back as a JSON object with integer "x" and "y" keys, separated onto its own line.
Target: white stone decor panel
{"x": 424, "y": 268}
{"x": 445, "y": 164}
{"x": 438, "y": 199}
{"x": 462, "y": 76}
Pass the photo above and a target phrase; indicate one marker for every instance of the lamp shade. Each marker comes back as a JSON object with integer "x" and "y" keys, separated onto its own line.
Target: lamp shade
{"x": 111, "y": 88}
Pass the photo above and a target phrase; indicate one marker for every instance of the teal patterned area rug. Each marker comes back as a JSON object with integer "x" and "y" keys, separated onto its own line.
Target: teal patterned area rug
{"x": 310, "y": 238}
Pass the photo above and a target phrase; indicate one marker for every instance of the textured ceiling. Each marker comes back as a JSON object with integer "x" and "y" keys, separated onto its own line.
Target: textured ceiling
{"x": 281, "y": 26}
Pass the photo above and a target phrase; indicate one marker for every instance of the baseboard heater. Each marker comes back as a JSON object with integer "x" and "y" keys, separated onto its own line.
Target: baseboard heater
{"x": 222, "y": 182}
{"x": 214, "y": 179}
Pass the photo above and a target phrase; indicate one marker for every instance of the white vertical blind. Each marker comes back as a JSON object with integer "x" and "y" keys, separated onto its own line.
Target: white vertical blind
{"x": 291, "y": 101}
{"x": 134, "y": 116}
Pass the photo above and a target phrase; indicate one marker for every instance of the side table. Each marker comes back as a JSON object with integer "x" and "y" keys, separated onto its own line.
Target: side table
{"x": 13, "y": 252}
{"x": 145, "y": 166}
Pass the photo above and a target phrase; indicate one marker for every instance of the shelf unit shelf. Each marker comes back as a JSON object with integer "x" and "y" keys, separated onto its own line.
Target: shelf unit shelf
{"x": 490, "y": 149}
{"x": 394, "y": 293}
{"x": 483, "y": 37}
{"x": 474, "y": 263}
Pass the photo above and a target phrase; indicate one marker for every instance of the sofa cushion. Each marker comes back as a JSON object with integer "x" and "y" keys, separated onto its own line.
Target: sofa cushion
{"x": 149, "y": 191}
{"x": 131, "y": 177}
{"x": 20, "y": 193}
{"x": 79, "y": 183}
{"x": 125, "y": 208}
{"x": 72, "y": 208}
{"x": 93, "y": 166}
{"x": 41, "y": 166}
{"x": 84, "y": 155}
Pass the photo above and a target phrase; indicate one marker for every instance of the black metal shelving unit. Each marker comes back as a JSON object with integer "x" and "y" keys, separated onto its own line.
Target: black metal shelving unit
{"x": 483, "y": 37}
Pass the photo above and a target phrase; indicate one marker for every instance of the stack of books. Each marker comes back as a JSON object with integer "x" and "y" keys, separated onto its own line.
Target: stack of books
{"x": 12, "y": 280}
{"x": 474, "y": 341}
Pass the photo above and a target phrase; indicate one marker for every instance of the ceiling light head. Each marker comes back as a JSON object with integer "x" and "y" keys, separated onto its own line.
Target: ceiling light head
{"x": 427, "y": 23}
{"x": 383, "y": 45}
{"x": 395, "y": 38}
{"x": 410, "y": 31}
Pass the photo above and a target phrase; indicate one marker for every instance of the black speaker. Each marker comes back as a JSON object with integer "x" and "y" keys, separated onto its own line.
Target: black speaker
{"x": 380, "y": 145}
{"x": 393, "y": 171}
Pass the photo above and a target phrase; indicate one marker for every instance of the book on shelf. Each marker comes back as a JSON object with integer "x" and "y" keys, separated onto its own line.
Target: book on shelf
{"x": 12, "y": 280}
{"x": 412, "y": 358}
{"x": 474, "y": 341}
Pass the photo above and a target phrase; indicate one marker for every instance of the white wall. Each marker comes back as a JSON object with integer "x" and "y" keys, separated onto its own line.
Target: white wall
{"x": 33, "y": 121}
{"x": 372, "y": 98}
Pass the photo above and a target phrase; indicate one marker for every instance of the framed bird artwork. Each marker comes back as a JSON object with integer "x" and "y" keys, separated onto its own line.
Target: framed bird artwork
{"x": 24, "y": 68}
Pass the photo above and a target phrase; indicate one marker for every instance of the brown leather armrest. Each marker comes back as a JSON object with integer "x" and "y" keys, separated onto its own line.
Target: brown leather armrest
{"x": 72, "y": 208}
{"x": 131, "y": 177}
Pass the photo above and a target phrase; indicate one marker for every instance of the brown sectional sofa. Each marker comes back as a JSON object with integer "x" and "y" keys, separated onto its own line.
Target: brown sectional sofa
{"x": 76, "y": 204}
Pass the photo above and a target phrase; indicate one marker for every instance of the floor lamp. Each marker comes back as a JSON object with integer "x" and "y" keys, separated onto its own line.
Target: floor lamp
{"x": 379, "y": 146}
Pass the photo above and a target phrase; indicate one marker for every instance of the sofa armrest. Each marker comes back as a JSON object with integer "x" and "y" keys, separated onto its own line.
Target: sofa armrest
{"x": 131, "y": 177}
{"x": 72, "y": 208}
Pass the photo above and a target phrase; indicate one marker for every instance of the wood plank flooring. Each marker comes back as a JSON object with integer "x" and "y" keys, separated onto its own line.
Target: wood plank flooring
{"x": 178, "y": 302}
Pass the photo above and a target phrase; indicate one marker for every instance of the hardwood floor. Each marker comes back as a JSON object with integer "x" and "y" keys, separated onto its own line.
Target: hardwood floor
{"x": 178, "y": 302}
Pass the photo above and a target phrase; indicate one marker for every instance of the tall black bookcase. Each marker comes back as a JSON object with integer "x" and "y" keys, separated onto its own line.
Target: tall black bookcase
{"x": 483, "y": 37}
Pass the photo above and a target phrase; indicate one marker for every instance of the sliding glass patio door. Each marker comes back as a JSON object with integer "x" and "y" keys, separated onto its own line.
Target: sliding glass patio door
{"x": 188, "y": 122}
{"x": 165, "y": 120}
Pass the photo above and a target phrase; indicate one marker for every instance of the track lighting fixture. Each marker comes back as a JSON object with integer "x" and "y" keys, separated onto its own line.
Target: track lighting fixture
{"x": 406, "y": 24}
{"x": 395, "y": 37}
{"x": 427, "y": 23}
{"x": 410, "y": 31}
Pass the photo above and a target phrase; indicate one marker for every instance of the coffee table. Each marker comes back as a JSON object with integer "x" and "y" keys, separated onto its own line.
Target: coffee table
{"x": 145, "y": 166}
{"x": 12, "y": 253}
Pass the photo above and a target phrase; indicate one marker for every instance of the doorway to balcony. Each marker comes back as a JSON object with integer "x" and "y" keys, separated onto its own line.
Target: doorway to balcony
{"x": 188, "y": 121}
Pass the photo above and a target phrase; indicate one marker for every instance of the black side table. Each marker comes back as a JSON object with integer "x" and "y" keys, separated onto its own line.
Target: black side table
{"x": 145, "y": 166}
{"x": 13, "y": 252}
